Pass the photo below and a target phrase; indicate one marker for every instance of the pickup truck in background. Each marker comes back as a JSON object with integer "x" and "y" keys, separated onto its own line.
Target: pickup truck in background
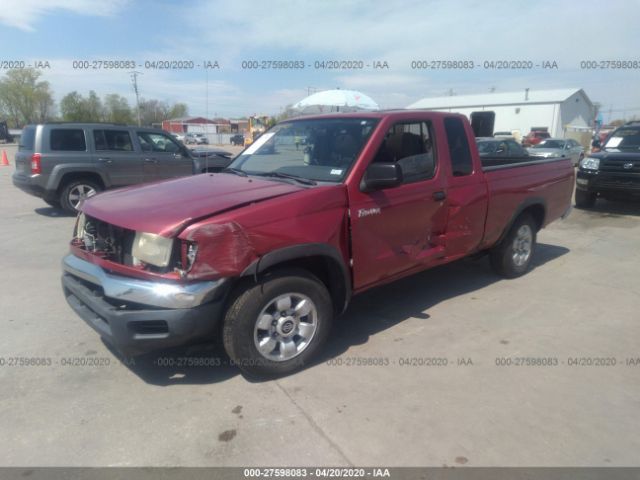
{"x": 267, "y": 253}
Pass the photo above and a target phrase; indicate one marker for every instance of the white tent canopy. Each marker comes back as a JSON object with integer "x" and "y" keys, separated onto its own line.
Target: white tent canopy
{"x": 336, "y": 101}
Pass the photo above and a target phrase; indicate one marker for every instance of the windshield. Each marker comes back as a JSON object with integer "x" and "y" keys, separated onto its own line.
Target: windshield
{"x": 321, "y": 150}
{"x": 624, "y": 139}
{"x": 550, "y": 144}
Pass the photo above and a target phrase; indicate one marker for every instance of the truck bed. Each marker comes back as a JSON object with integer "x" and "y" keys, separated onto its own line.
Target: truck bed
{"x": 508, "y": 184}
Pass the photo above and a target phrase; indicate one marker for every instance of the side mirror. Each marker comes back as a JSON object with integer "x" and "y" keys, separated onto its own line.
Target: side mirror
{"x": 379, "y": 176}
{"x": 596, "y": 143}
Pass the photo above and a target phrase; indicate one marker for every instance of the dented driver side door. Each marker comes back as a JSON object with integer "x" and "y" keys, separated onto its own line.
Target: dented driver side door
{"x": 398, "y": 229}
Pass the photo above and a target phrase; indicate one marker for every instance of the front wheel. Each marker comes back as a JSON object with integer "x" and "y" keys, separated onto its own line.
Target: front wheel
{"x": 275, "y": 327}
{"x": 511, "y": 258}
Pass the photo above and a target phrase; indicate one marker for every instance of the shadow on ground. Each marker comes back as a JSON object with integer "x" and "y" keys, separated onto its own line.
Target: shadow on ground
{"x": 52, "y": 212}
{"x": 369, "y": 313}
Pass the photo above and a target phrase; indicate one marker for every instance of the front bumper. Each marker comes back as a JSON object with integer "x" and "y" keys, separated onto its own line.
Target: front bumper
{"x": 138, "y": 316}
{"x": 608, "y": 183}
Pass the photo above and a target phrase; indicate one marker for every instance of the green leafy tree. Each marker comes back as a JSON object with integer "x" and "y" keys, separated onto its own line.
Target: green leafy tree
{"x": 154, "y": 111}
{"x": 24, "y": 98}
{"x": 117, "y": 109}
{"x": 72, "y": 108}
{"x": 76, "y": 108}
{"x": 94, "y": 108}
{"x": 177, "y": 110}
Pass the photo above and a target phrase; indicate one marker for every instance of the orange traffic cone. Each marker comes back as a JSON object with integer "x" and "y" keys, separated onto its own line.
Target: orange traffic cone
{"x": 5, "y": 161}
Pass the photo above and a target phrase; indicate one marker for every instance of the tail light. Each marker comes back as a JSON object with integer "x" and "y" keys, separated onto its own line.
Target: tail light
{"x": 36, "y": 166}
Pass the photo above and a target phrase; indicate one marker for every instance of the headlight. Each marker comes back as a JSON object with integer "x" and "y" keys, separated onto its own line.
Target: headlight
{"x": 151, "y": 248}
{"x": 590, "y": 163}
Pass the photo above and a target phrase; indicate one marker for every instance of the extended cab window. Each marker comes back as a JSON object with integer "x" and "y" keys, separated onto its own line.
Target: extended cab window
{"x": 461, "y": 163}
{"x": 410, "y": 144}
{"x": 115, "y": 140}
{"x": 68, "y": 140}
{"x": 156, "y": 142}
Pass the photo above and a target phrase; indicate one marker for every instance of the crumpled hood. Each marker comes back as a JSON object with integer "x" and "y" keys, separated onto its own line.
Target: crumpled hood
{"x": 165, "y": 208}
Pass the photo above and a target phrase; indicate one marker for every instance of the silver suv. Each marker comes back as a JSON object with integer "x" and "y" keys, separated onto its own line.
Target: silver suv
{"x": 64, "y": 163}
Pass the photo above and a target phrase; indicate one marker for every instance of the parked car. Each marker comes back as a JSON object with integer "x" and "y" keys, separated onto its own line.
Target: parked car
{"x": 269, "y": 252}
{"x": 5, "y": 136}
{"x": 614, "y": 171}
{"x": 558, "y": 147}
{"x": 65, "y": 163}
{"x": 237, "y": 139}
{"x": 212, "y": 160}
{"x": 504, "y": 134}
{"x": 196, "y": 138}
{"x": 500, "y": 147}
{"x": 534, "y": 137}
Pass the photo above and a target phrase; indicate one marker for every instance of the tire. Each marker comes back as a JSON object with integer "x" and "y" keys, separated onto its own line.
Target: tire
{"x": 511, "y": 258}
{"x": 73, "y": 194}
{"x": 585, "y": 199}
{"x": 260, "y": 314}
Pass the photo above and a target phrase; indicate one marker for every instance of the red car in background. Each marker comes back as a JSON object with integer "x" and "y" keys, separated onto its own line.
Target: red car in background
{"x": 534, "y": 137}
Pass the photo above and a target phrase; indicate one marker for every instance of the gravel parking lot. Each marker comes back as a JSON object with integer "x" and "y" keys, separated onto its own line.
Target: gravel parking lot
{"x": 454, "y": 366}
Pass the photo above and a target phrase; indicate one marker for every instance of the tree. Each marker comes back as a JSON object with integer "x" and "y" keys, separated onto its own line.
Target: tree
{"x": 177, "y": 110}
{"x": 24, "y": 98}
{"x": 72, "y": 108}
{"x": 154, "y": 111}
{"x": 94, "y": 107}
{"x": 117, "y": 109}
{"x": 75, "y": 108}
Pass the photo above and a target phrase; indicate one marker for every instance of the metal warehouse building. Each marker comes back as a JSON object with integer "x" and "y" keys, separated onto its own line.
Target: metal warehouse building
{"x": 561, "y": 111}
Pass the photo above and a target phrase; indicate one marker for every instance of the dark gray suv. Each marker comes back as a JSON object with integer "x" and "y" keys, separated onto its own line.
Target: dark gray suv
{"x": 64, "y": 163}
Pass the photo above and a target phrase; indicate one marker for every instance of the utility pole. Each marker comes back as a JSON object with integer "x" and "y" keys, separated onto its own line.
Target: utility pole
{"x": 134, "y": 80}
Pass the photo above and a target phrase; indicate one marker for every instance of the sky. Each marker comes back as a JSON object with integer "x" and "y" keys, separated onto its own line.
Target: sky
{"x": 364, "y": 33}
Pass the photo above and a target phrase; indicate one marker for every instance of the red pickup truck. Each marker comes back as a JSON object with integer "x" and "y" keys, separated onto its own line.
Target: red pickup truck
{"x": 267, "y": 253}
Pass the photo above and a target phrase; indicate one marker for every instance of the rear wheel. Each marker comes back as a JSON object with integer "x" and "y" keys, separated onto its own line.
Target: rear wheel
{"x": 511, "y": 258}
{"x": 275, "y": 327}
{"x": 585, "y": 199}
{"x": 75, "y": 192}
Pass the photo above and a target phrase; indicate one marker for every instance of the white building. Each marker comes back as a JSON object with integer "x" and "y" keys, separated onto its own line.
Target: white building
{"x": 561, "y": 111}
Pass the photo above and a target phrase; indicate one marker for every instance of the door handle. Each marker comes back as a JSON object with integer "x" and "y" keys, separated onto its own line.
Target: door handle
{"x": 150, "y": 160}
{"x": 105, "y": 160}
{"x": 439, "y": 196}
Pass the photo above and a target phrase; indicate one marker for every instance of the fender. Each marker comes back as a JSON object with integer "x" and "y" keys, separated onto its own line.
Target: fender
{"x": 529, "y": 202}
{"x": 59, "y": 171}
{"x": 340, "y": 283}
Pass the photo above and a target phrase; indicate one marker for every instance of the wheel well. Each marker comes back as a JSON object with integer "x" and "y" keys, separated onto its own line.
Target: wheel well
{"x": 73, "y": 176}
{"x": 537, "y": 211}
{"x": 326, "y": 270}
